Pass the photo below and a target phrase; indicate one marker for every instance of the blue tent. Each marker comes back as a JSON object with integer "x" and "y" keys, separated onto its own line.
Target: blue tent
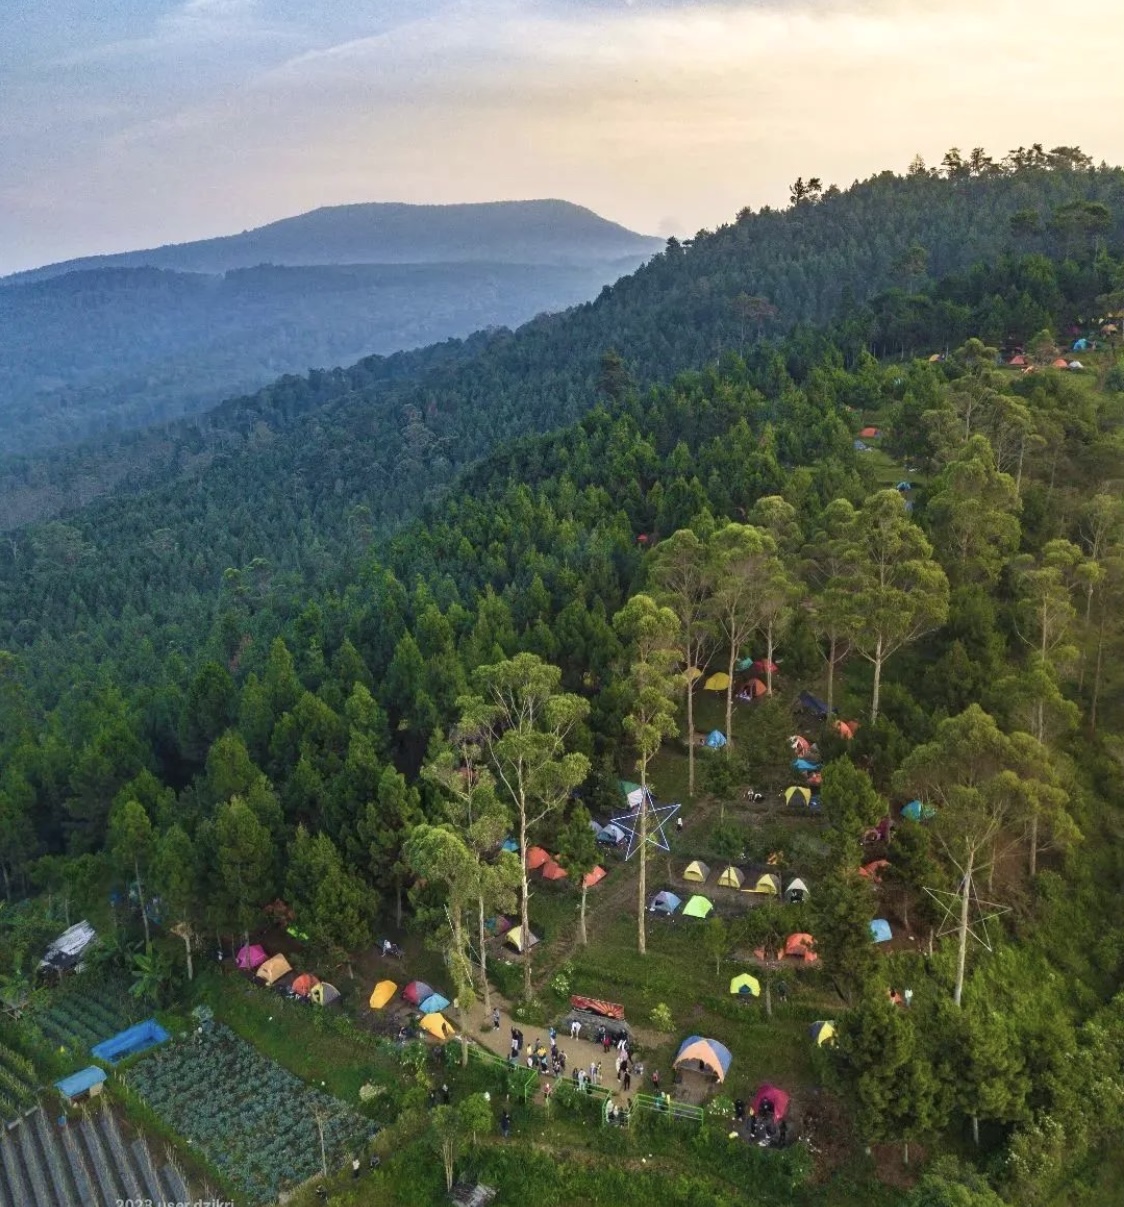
{"x": 812, "y": 704}
{"x": 880, "y": 931}
{"x": 904, "y": 486}
{"x": 664, "y": 902}
{"x": 509, "y": 844}
{"x": 815, "y": 804}
{"x": 716, "y": 739}
{"x": 861, "y": 448}
{"x": 611, "y": 835}
{"x": 743, "y": 664}
{"x": 805, "y": 765}
{"x": 709, "y": 1052}
{"x": 433, "y": 1004}
{"x": 916, "y": 811}
{"x": 1080, "y": 345}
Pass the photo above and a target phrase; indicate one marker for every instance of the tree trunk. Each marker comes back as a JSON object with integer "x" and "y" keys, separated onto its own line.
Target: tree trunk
{"x": 976, "y": 1130}
{"x": 905, "y": 1152}
{"x": 768, "y": 995}
{"x": 642, "y": 892}
{"x": 1033, "y": 863}
{"x": 962, "y": 931}
{"x": 581, "y": 924}
{"x": 769, "y": 660}
{"x": 524, "y": 901}
{"x": 1097, "y": 674}
{"x": 877, "y": 683}
{"x": 485, "y": 991}
{"x": 831, "y": 675}
{"x": 144, "y": 911}
{"x": 691, "y": 739}
{"x": 730, "y": 696}
{"x": 398, "y": 902}
{"x": 7, "y": 881}
{"x": 187, "y": 946}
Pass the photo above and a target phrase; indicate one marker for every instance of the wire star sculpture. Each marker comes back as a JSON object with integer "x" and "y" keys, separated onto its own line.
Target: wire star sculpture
{"x": 659, "y": 818}
{"x": 985, "y": 912}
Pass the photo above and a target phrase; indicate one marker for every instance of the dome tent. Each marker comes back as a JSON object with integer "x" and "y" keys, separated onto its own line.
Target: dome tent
{"x": 664, "y": 902}
{"x": 732, "y": 877}
{"x": 696, "y": 872}
{"x": 709, "y": 1052}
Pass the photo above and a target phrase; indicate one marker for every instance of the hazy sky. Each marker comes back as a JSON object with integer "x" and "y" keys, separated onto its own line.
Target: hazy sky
{"x": 128, "y": 123}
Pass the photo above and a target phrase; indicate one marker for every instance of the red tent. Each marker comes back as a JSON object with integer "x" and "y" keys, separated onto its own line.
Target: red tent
{"x": 416, "y": 992}
{"x": 766, "y": 667}
{"x": 536, "y": 857}
{"x": 1017, "y": 360}
{"x": 873, "y": 870}
{"x": 304, "y": 984}
{"x": 801, "y": 946}
{"x": 553, "y": 871}
{"x": 770, "y": 1093}
{"x": 1060, "y": 363}
{"x": 594, "y": 877}
{"x": 869, "y": 433}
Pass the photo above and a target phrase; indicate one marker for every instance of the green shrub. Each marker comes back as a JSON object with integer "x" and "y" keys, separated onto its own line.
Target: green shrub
{"x": 661, "y": 1019}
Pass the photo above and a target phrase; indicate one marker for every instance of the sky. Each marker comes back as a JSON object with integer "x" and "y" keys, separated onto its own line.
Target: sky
{"x": 131, "y": 123}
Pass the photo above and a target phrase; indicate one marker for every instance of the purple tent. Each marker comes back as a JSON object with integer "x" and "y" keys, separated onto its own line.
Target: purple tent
{"x": 250, "y": 957}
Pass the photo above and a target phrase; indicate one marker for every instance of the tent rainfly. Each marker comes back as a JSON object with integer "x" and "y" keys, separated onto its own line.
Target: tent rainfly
{"x": 799, "y": 744}
{"x": 716, "y": 739}
{"x": 822, "y": 1032}
{"x": 732, "y": 877}
{"x": 664, "y": 902}
{"x": 873, "y": 871}
{"x": 434, "y": 1004}
{"x": 382, "y": 993}
{"x": 324, "y": 994}
{"x": 802, "y": 947}
{"x": 273, "y": 969}
{"x": 880, "y": 931}
{"x": 305, "y": 983}
{"x": 68, "y": 949}
{"x": 708, "y": 1052}
{"x": 801, "y": 794}
{"x": 796, "y": 892}
{"x": 717, "y": 683}
{"x": 553, "y": 870}
{"x": 777, "y": 1099}
{"x": 509, "y": 844}
{"x": 594, "y": 877}
{"x": 696, "y": 872}
{"x": 250, "y": 957}
{"x": 416, "y": 992}
{"x": 916, "y": 811}
{"x": 745, "y": 985}
{"x": 611, "y": 836}
{"x": 805, "y": 766}
{"x": 514, "y": 938}
{"x": 437, "y": 1025}
{"x": 767, "y": 882}
{"x": 86, "y": 1082}
{"x": 536, "y": 857}
{"x": 698, "y": 907}
{"x": 753, "y": 688}
{"x": 812, "y": 704}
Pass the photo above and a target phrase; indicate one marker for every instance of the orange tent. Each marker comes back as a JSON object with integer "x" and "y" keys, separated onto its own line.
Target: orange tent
{"x": 762, "y": 954}
{"x": 801, "y": 946}
{"x": 873, "y": 870}
{"x": 846, "y": 729}
{"x": 1060, "y": 363}
{"x": 536, "y": 857}
{"x": 304, "y": 984}
{"x": 553, "y": 871}
{"x": 753, "y": 689}
{"x": 1017, "y": 360}
{"x": 869, "y": 433}
{"x": 595, "y": 877}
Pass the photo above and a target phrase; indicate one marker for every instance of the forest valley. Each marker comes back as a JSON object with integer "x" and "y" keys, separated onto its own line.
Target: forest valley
{"x": 953, "y": 582}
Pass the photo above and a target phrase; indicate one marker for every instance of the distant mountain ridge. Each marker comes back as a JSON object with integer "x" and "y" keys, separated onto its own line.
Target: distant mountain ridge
{"x": 507, "y": 232}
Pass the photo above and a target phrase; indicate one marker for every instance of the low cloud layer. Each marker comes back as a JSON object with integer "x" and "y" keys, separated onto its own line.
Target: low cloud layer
{"x": 133, "y": 122}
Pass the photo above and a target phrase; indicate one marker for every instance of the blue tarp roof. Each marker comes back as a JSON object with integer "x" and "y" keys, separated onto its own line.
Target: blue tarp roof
{"x": 80, "y": 1082}
{"x": 804, "y": 765}
{"x": 880, "y": 930}
{"x": 131, "y": 1041}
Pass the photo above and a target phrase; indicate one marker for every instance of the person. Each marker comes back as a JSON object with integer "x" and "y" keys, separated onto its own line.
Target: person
{"x": 593, "y": 1071}
{"x": 782, "y": 991}
{"x": 445, "y": 1094}
{"x": 638, "y": 1069}
{"x": 355, "y": 1167}
{"x": 505, "y": 1125}
{"x": 752, "y": 1124}
{"x": 679, "y": 824}
{"x": 495, "y": 1020}
{"x": 739, "y": 1108}
{"x": 597, "y": 1076}
{"x": 547, "y": 1090}
{"x": 627, "y": 1080}
{"x": 385, "y": 948}
{"x": 606, "y": 1043}
{"x": 375, "y": 1161}
{"x": 782, "y": 1132}
{"x": 432, "y": 1099}
{"x": 562, "y": 1061}
{"x": 514, "y": 1047}
{"x": 322, "y": 1193}
{"x": 575, "y": 1029}
{"x": 656, "y": 1080}
{"x": 581, "y": 1079}
{"x": 553, "y": 1034}
{"x": 908, "y": 997}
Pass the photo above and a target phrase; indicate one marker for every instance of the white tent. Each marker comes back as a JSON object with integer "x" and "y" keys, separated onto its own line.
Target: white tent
{"x": 68, "y": 949}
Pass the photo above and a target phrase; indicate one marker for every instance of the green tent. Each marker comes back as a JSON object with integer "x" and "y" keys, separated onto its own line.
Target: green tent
{"x": 698, "y": 907}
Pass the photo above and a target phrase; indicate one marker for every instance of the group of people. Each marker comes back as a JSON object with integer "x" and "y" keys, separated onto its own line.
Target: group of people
{"x": 763, "y": 1127}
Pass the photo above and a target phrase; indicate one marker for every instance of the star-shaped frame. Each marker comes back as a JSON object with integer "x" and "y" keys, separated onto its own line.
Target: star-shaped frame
{"x": 659, "y": 818}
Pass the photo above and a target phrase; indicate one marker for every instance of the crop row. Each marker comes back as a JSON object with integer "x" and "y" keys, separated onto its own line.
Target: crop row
{"x": 253, "y": 1120}
{"x": 17, "y": 1064}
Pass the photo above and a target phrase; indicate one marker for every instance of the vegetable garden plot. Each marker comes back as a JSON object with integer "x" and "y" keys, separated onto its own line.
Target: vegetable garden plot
{"x": 17, "y": 1083}
{"x": 85, "y": 1011}
{"x": 251, "y": 1119}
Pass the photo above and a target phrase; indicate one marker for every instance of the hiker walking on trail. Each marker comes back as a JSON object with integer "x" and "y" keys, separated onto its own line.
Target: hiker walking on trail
{"x": 627, "y": 1081}
{"x": 495, "y": 1020}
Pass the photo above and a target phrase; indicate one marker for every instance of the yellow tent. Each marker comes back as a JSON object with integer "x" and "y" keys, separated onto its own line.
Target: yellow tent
{"x": 382, "y": 994}
{"x": 823, "y": 1033}
{"x": 514, "y": 938}
{"x": 732, "y": 878}
{"x": 717, "y": 683}
{"x": 768, "y": 883}
{"x": 697, "y": 872}
{"x": 324, "y": 994}
{"x": 692, "y": 673}
{"x": 746, "y": 985}
{"x": 273, "y": 969}
{"x": 805, "y": 794}
{"x": 438, "y": 1026}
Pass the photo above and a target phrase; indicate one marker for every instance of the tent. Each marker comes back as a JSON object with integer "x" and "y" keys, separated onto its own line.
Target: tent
{"x": 916, "y": 811}
{"x": 1080, "y": 345}
{"x": 746, "y": 985}
{"x": 822, "y": 1033}
{"x": 769, "y": 1095}
{"x": 860, "y": 447}
{"x": 437, "y": 1025}
{"x": 634, "y": 794}
{"x": 880, "y": 931}
{"x": 801, "y": 946}
{"x": 304, "y": 984}
{"x": 1059, "y": 363}
{"x": 766, "y": 667}
{"x": 692, "y": 674}
{"x": 1076, "y": 364}
{"x": 870, "y": 433}
{"x": 67, "y": 950}
{"x": 935, "y": 358}
{"x": 752, "y": 689}
{"x": 904, "y": 486}
{"x": 664, "y": 902}
{"x": 594, "y": 877}
{"x": 806, "y": 766}
{"x": 812, "y": 704}
{"x": 761, "y": 954}
{"x": 698, "y": 907}
{"x": 796, "y": 892}
{"x": 717, "y": 683}
{"x": 416, "y": 992}
{"x": 611, "y": 835}
{"x": 709, "y": 1052}
{"x": 696, "y": 872}
{"x": 799, "y": 744}
{"x": 732, "y": 877}
{"x": 509, "y": 844}
{"x": 536, "y": 857}
{"x": 743, "y": 664}
{"x": 433, "y": 1004}
{"x": 595, "y": 826}
{"x": 273, "y": 969}
{"x": 553, "y": 870}
{"x": 1020, "y": 361}
{"x": 515, "y": 939}
{"x": 382, "y": 993}
{"x": 873, "y": 870}
{"x": 802, "y": 794}
{"x": 324, "y": 994}
{"x": 716, "y": 739}
{"x": 846, "y": 729}
{"x": 498, "y": 926}
{"x": 250, "y": 957}
{"x": 767, "y": 882}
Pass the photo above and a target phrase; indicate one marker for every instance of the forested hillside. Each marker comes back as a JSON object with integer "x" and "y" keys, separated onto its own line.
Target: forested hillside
{"x": 97, "y": 352}
{"x": 961, "y": 584}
